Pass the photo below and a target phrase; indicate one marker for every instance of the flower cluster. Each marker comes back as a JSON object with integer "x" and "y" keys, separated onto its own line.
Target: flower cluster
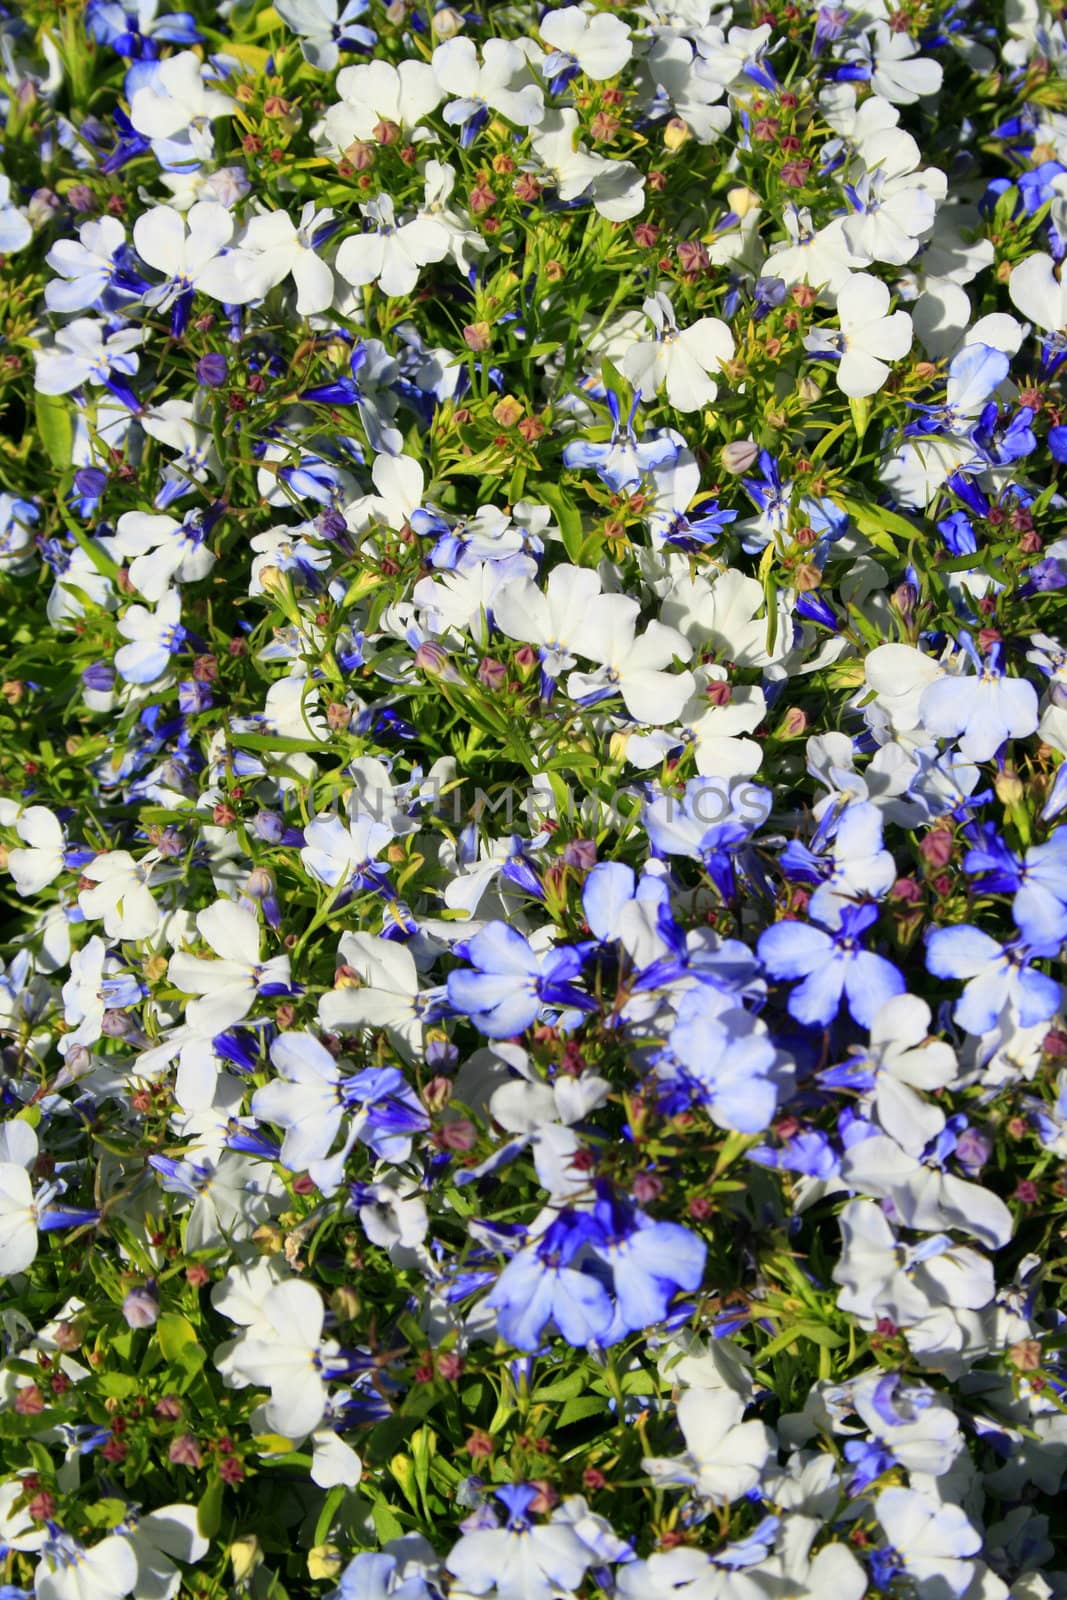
{"x": 533, "y": 800}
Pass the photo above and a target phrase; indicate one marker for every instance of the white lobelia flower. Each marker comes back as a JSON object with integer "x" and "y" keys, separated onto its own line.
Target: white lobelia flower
{"x": 933, "y": 1541}
{"x": 87, "y": 266}
{"x": 464, "y": 242}
{"x": 387, "y": 995}
{"x": 881, "y": 1278}
{"x": 464, "y": 600}
{"x": 184, "y": 247}
{"x": 179, "y": 101}
{"x": 717, "y": 717}
{"x": 393, "y": 254}
{"x": 833, "y": 1570}
{"x": 520, "y": 1561}
{"x": 121, "y": 895}
{"x": 228, "y": 986}
{"x": 819, "y": 257}
{"x": 633, "y": 664}
{"x": 18, "y": 1530}
{"x": 673, "y": 77}
{"x": 904, "y": 1060}
{"x": 868, "y": 340}
{"x": 598, "y": 45}
{"x": 724, "y": 615}
{"x": 163, "y": 549}
{"x": 273, "y": 248}
{"x": 501, "y": 82}
{"x": 324, "y": 29}
{"x": 375, "y": 93}
{"x": 553, "y": 619}
{"x": 896, "y": 203}
{"x": 159, "y": 1541}
{"x": 179, "y": 424}
{"x": 899, "y": 675}
{"x": 16, "y": 230}
{"x": 286, "y": 1353}
{"x": 71, "y": 1571}
{"x": 616, "y": 188}
{"x": 42, "y": 860}
{"x": 678, "y": 359}
{"x": 18, "y": 1208}
{"x": 923, "y": 1196}
{"x": 1039, "y": 294}
{"x": 725, "y": 1455}
{"x": 231, "y": 1195}
{"x": 900, "y": 73}
{"x": 86, "y": 353}
{"x": 305, "y": 1099}
{"x": 340, "y": 853}
{"x": 153, "y": 637}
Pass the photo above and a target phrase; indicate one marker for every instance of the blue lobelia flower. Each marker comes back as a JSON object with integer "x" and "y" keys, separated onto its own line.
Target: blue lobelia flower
{"x": 997, "y": 974}
{"x": 540, "y": 1285}
{"x": 510, "y": 983}
{"x": 832, "y": 964}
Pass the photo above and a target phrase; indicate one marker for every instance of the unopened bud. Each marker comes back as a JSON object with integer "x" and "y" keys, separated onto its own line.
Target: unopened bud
{"x": 437, "y": 1093}
{"x": 345, "y": 1303}
{"x": 324, "y": 1561}
{"x": 738, "y": 456}
{"x": 446, "y": 23}
{"x": 507, "y": 412}
{"x": 1009, "y": 787}
{"x": 141, "y": 1307}
{"x": 245, "y": 1556}
{"x": 742, "y": 200}
{"x": 675, "y": 133}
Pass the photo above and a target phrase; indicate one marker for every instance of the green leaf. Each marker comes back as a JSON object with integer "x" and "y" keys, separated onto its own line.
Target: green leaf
{"x": 329, "y": 1506}
{"x": 879, "y": 524}
{"x": 861, "y": 414}
{"x": 174, "y": 1332}
{"x": 387, "y": 1524}
{"x": 209, "y": 1510}
{"x": 119, "y": 1384}
{"x": 586, "y": 1406}
{"x": 105, "y": 1513}
{"x": 567, "y": 515}
{"x": 55, "y": 428}
{"x": 816, "y": 1332}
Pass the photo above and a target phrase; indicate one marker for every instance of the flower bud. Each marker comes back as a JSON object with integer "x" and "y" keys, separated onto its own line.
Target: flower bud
{"x": 433, "y": 660}
{"x": 245, "y": 1556}
{"x": 738, "y": 456}
{"x": 446, "y": 23}
{"x": 324, "y": 1561}
{"x": 675, "y": 133}
{"x": 437, "y": 1093}
{"x": 742, "y": 200}
{"x": 1009, "y": 787}
{"x": 268, "y": 826}
{"x": 345, "y": 1303}
{"x": 141, "y": 1307}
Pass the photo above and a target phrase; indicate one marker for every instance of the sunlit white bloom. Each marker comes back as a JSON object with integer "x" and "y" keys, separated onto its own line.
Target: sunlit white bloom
{"x": 393, "y": 254}
{"x": 869, "y": 339}
{"x": 39, "y": 860}
{"x": 121, "y": 896}
{"x": 228, "y": 985}
{"x": 678, "y": 360}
